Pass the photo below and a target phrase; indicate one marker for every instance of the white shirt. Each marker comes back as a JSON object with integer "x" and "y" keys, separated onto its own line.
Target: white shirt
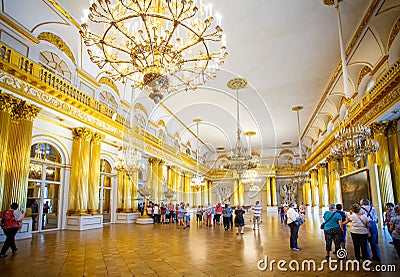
{"x": 291, "y": 215}
{"x": 373, "y": 214}
{"x": 358, "y": 225}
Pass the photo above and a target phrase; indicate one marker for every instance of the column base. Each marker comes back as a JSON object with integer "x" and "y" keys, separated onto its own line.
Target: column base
{"x": 24, "y": 233}
{"x": 272, "y": 209}
{"x": 315, "y": 210}
{"x": 144, "y": 220}
{"x": 84, "y": 222}
{"x": 127, "y": 217}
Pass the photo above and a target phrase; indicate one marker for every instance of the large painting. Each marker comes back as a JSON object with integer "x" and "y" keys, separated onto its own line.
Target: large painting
{"x": 355, "y": 187}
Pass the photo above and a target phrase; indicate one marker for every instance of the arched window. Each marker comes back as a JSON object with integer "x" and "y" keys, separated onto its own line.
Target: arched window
{"x": 108, "y": 99}
{"x": 44, "y": 185}
{"x": 105, "y": 187}
{"x": 55, "y": 64}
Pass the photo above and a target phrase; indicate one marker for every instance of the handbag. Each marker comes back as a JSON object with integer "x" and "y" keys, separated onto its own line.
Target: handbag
{"x": 323, "y": 223}
{"x": 299, "y": 221}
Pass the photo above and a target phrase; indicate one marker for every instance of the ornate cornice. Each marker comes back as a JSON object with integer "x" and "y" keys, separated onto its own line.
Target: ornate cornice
{"x": 17, "y": 28}
{"x": 380, "y": 128}
{"x": 57, "y": 42}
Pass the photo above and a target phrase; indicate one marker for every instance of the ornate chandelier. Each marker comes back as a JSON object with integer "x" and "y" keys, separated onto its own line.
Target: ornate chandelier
{"x": 161, "y": 46}
{"x": 240, "y": 160}
{"x": 354, "y": 142}
{"x": 197, "y": 180}
{"x": 249, "y": 176}
{"x": 128, "y": 160}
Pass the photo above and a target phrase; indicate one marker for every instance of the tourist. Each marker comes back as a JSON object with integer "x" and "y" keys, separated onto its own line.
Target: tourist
{"x": 163, "y": 211}
{"x": 181, "y": 215}
{"x": 292, "y": 217}
{"x": 188, "y": 211}
{"x": 333, "y": 229}
{"x": 257, "y": 215}
{"x": 208, "y": 214}
{"x": 394, "y": 228}
{"x": 282, "y": 213}
{"x": 359, "y": 232}
{"x": 339, "y": 208}
{"x": 239, "y": 219}
{"x": 372, "y": 215}
{"x": 199, "y": 214}
{"x": 156, "y": 213}
{"x": 227, "y": 215}
{"x": 10, "y": 222}
{"x": 218, "y": 214}
{"x": 171, "y": 209}
{"x": 302, "y": 209}
{"x": 388, "y": 215}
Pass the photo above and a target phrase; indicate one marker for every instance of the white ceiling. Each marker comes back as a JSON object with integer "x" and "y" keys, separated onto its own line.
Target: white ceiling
{"x": 287, "y": 49}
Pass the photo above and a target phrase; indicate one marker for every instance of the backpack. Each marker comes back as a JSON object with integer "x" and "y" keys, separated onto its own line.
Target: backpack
{"x": 8, "y": 220}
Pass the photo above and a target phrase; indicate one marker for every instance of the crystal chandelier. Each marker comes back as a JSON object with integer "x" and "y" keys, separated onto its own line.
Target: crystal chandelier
{"x": 128, "y": 160}
{"x": 249, "y": 176}
{"x": 240, "y": 160}
{"x": 198, "y": 179}
{"x": 354, "y": 142}
{"x": 161, "y": 46}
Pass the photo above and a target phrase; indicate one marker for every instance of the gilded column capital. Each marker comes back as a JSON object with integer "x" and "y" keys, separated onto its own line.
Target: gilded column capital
{"x": 331, "y": 2}
{"x": 82, "y": 133}
{"x": 97, "y": 138}
{"x": 321, "y": 165}
{"x": 392, "y": 128}
{"x": 8, "y": 102}
{"x": 153, "y": 160}
{"x": 25, "y": 111}
{"x": 313, "y": 171}
{"x": 380, "y": 128}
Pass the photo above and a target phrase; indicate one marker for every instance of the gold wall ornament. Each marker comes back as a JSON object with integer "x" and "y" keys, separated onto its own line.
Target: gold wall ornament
{"x": 94, "y": 173}
{"x": 364, "y": 71}
{"x": 57, "y": 42}
{"x": 161, "y": 46}
{"x": 393, "y": 33}
{"x": 108, "y": 82}
{"x": 395, "y": 157}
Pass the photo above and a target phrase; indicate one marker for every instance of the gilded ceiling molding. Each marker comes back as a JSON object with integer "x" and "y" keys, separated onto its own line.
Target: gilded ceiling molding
{"x": 17, "y": 28}
{"x": 57, "y": 42}
{"x": 356, "y": 36}
{"x": 108, "y": 82}
{"x": 393, "y": 33}
{"x": 64, "y": 13}
{"x": 161, "y": 123}
{"x": 364, "y": 71}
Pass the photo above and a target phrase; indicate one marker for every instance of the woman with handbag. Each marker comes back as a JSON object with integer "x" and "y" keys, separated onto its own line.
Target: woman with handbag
{"x": 359, "y": 231}
{"x": 333, "y": 229}
{"x": 10, "y": 222}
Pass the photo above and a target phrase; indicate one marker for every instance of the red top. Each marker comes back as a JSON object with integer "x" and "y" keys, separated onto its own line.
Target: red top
{"x": 9, "y": 220}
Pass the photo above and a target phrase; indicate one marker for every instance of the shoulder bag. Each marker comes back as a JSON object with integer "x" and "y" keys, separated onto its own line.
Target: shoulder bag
{"x": 323, "y": 223}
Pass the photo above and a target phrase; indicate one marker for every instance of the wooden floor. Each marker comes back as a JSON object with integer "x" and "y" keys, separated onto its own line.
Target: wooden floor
{"x": 164, "y": 250}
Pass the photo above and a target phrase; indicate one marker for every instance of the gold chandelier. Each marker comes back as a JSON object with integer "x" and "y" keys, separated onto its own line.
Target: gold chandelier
{"x": 240, "y": 160}
{"x": 161, "y": 46}
{"x": 354, "y": 142}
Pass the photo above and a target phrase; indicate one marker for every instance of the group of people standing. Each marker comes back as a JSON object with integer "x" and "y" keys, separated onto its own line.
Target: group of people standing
{"x": 364, "y": 231}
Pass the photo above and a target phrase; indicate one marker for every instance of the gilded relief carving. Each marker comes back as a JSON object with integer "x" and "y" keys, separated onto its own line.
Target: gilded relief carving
{"x": 108, "y": 82}
{"x": 57, "y": 42}
{"x": 393, "y": 33}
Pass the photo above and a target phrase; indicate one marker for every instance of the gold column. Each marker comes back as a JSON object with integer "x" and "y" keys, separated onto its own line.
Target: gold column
{"x": 18, "y": 154}
{"x": 120, "y": 190}
{"x": 209, "y": 191}
{"x": 268, "y": 186}
{"x": 314, "y": 187}
{"x": 7, "y": 105}
{"x": 186, "y": 195}
{"x": 241, "y": 193}
{"x": 94, "y": 176}
{"x": 127, "y": 194}
{"x": 154, "y": 179}
{"x": 236, "y": 192}
{"x": 135, "y": 185}
{"x": 74, "y": 173}
{"x": 160, "y": 181}
{"x": 349, "y": 165}
{"x": 323, "y": 185}
{"x": 179, "y": 186}
{"x": 304, "y": 191}
{"x": 382, "y": 159}
{"x": 273, "y": 192}
{"x": 83, "y": 178}
{"x": 308, "y": 196}
{"x": 393, "y": 138}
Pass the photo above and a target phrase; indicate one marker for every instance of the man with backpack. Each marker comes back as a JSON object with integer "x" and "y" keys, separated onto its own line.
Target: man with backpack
{"x": 227, "y": 214}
